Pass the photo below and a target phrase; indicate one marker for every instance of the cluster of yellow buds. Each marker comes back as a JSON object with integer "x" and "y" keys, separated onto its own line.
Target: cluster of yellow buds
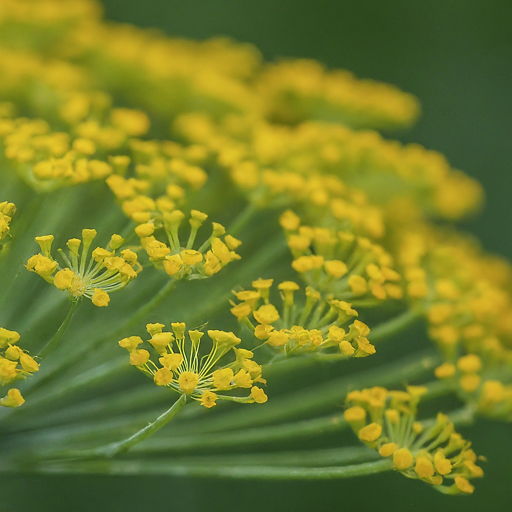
{"x": 462, "y": 291}
{"x": 495, "y": 400}
{"x": 84, "y": 100}
{"x": 298, "y": 90}
{"x": 260, "y": 168}
{"x": 184, "y": 368}
{"x": 466, "y": 372}
{"x": 340, "y": 263}
{"x": 473, "y": 378}
{"x": 184, "y": 262}
{"x": 157, "y": 166}
{"x": 15, "y": 364}
{"x": 430, "y": 451}
{"x": 312, "y": 325}
{"x": 7, "y": 210}
{"x": 48, "y": 160}
{"x": 318, "y": 164}
{"x": 95, "y": 277}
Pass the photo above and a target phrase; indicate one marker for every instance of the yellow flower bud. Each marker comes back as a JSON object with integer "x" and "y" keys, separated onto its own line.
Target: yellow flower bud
{"x": 188, "y": 382}
{"x": 403, "y": 459}
{"x": 100, "y": 298}
{"x": 208, "y": 399}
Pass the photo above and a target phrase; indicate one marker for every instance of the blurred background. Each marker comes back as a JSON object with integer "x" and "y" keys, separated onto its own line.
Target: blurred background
{"x": 456, "y": 57}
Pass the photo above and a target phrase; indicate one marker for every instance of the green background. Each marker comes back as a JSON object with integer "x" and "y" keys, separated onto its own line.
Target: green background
{"x": 456, "y": 56}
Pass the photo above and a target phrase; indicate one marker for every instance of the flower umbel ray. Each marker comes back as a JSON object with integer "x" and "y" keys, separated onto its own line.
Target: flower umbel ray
{"x": 184, "y": 368}
{"x": 432, "y": 452}
{"x": 93, "y": 277}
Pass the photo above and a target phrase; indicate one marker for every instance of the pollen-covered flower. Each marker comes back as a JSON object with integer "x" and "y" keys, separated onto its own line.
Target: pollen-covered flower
{"x": 7, "y": 210}
{"x": 338, "y": 262}
{"x": 182, "y": 261}
{"x": 185, "y": 367}
{"x": 312, "y": 323}
{"x": 430, "y": 451}
{"x": 15, "y": 364}
{"x": 93, "y": 275}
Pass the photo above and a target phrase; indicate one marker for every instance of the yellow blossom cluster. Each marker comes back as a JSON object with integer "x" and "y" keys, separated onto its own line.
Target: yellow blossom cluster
{"x": 7, "y": 210}
{"x": 93, "y": 277}
{"x": 298, "y": 90}
{"x": 478, "y": 385}
{"x": 185, "y": 368}
{"x": 430, "y": 451}
{"x": 48, "y": 159}
{"x": 466, "y": 299}
{"x": 156, "y": 176}
{"x": 184, "y": 262}
{"x": 15, "y": 364}
{"x": 310, "y": 325}
{"x": 317, "y": 164}
{"x": 495, "y": 400}
{"x": 341, "y": 263}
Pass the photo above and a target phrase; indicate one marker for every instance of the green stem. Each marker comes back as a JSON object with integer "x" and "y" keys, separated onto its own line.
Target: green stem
{"x": 122, "y": 467}
{"x": 112, "y": 449}
{"x": 78, "y": 355}
{"x": 317, "y": 398}
{"x": 306, "y": 401}
{"x": 302, "y": 458}
{"x": 158, "y": 299}
{"x": 48, "y": 348}
{"x": 241, "y": 221}
{"x": 247, "y": 437}
{"x": 274, "y": 433}
{"x": 394, "y": 326}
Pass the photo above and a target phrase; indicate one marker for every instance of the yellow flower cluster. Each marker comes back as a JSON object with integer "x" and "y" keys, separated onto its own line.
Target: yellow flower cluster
{"x": 298, "y": 90}
{"x": 15, "y": 364}
{"x": 184, "y": 262}
{"x": 478, "y": 385}
{"x": 340, "y": 263}
{"x": 185, "y": 368}
{"x": 312, "y": 325}
{"x": 318, "y": 164}
{"x": 47, "y": 160}
{"x": 468, "y": 307}
{"x": 430, "y": 451}
{"x": 495, "y": 400}
{"x": 7, "y": 210}
{"x": 151, "y": 167}
{"x": 95, "y": 277}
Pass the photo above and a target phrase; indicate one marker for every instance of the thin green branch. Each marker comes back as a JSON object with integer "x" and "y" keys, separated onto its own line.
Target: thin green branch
{"x": 395, "y": 325}
{"x": 246, "y": 437}
{"x": 319, "y": 397}
{"x": 52, "y": 344}
{"x": 305, "y": 401}
{"x": 112, "y": 449}
{"x": 141, "y": 467}
{"x": 242, "y": 219}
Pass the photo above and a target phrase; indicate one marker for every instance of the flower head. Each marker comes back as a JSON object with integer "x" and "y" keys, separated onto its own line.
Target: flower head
{"x": 93, "y": 276}
{"x": 430, "y": 451}
{"x": 302, "y": 324}
{"x": 7, "y": 210}
{"x": 185, "y": 368}
{"x": 15, "y": 364}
